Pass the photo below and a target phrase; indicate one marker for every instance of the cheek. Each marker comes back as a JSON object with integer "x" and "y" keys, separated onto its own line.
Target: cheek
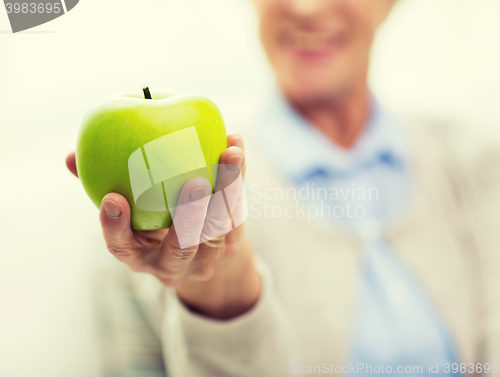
{"x": 268, "y": 29}
{"x": 364, "y": 15}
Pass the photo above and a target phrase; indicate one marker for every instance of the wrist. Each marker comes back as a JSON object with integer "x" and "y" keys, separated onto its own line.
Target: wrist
{"x": 233, "y": 290}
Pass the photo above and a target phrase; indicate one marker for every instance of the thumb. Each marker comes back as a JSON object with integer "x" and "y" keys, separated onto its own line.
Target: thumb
{"x": 71, "y": 163}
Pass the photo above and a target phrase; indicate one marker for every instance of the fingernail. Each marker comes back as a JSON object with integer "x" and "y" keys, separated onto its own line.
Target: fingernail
{"x": 197, "y": 194}
{"x": 112, "y": 209}
{"x": 236, "y": 160}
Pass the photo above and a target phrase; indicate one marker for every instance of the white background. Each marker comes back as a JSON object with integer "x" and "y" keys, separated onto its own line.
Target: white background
{"x": 432, "y": 56}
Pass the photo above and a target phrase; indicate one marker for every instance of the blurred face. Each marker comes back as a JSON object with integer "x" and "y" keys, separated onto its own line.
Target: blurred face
{"x": 319, "y": 49}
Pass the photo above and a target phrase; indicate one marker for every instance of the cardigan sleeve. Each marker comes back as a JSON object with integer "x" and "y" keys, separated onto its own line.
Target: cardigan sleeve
{"x": 129, "y": 345}
{"x": 260, "y": 342}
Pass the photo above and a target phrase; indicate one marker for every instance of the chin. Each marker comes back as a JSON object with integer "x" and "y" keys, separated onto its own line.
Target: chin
{"x": 315, "y": 82}
{"x": 308, "y": 90}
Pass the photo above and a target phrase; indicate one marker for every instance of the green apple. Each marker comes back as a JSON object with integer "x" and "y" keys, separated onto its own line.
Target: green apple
{"x": 146, "y": 149}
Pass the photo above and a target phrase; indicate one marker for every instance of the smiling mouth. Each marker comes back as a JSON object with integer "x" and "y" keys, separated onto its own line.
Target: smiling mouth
{"x": 313, "y": 44}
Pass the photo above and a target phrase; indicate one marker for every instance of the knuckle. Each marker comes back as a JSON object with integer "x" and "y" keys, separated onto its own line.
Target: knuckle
{"x": 182, "y": 254}
{"x": 118, "y": 251}
{"x": 169, "y": 282}
{"x": 215, "y": 243}
{"x": 231, "y": 249}
{"x": 136, "y": 267}
{"x": 203, "y": 273}
{"x": 127, "y": 256}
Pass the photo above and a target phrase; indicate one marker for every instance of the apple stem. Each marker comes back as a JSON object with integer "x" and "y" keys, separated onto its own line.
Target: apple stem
{"x": 147, "y": 93}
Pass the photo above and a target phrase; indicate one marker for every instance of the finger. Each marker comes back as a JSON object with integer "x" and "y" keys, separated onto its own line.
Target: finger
{"x": 235, "y": 195}
{"x": 71, "y": 163}
{"x": 183, "y": 237}
{"x": 218, "y": 221}
{"x": 238, "y": 207}
{"x": 231, "y": 152}
{"x": 227, "y": 209}
{"x": 235, "y": 140}
{"x": 234, "y": 156}
{"x": 115, "y": 223}
{"x": 232, "y": 184}
{"x": 150, "y": 237}
{"x": 208, "y": 257}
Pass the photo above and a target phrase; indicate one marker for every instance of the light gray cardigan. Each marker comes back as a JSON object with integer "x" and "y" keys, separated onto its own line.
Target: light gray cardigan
{"x": 449, "y": 239}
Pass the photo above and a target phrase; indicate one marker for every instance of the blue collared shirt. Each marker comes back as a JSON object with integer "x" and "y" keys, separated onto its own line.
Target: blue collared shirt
{"x": 396, "y": 323}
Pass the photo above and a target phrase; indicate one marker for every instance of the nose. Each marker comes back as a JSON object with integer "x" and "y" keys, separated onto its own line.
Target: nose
{"x": 309, "y": 7}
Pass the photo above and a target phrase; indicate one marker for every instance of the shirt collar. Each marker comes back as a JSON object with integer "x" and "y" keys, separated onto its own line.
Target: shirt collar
{"x": 302, "y": 151}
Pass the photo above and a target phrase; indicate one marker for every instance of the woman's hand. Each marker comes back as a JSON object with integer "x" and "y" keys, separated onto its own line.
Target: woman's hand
{"x": 216, "y": 278}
